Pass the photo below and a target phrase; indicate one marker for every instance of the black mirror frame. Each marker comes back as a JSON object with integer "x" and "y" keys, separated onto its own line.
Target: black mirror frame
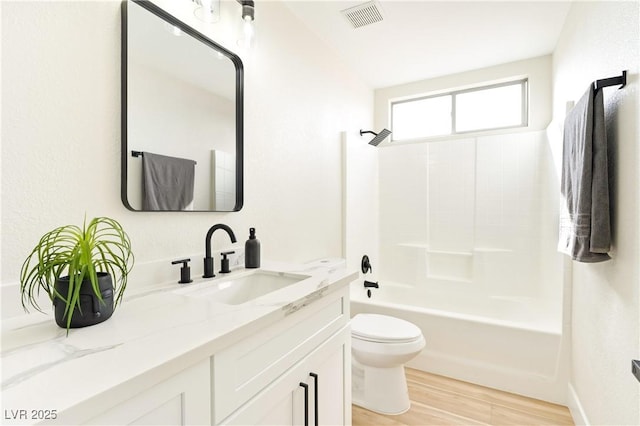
{"x": 148, "y": 5}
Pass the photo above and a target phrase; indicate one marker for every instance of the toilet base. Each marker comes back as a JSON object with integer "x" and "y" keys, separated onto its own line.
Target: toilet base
{"x": 382, "y": 390}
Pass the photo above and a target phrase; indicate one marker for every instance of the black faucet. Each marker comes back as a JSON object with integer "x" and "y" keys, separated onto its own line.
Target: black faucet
{"x": 208, "y": 260}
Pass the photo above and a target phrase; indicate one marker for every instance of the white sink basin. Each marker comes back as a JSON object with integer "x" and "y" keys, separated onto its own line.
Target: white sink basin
{"x": 243, "y": 287}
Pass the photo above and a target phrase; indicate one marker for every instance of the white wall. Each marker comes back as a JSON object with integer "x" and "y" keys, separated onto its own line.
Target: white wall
{"x": 361, "y": 204}
{"x": 599, "y": 40}
{"x": 61, "y": 138}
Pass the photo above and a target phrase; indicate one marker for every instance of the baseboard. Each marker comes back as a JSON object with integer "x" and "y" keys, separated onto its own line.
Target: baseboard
{"x": 575, "y": 408}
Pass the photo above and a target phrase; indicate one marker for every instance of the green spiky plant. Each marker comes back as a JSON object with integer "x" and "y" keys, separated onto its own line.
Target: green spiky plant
{"x": 101, "y": 246}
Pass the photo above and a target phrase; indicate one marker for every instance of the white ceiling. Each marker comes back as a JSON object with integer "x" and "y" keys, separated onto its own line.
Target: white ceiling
{"x": 423, "y": 39}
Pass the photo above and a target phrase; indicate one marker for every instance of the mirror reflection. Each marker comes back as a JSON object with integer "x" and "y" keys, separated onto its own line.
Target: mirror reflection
{"x": 182, "y": 116}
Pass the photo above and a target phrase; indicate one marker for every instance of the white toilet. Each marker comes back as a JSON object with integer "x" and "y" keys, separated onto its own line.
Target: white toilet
{"x": 380, "y": 346}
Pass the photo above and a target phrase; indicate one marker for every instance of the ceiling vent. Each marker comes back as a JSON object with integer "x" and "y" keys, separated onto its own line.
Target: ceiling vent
{"x": 364, "y": 14}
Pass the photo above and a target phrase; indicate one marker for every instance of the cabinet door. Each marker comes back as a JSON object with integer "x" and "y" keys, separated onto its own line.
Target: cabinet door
{"x": 330, "y": 374}
{"x": 184, "y": 399}
{"x": 283, "y": 401}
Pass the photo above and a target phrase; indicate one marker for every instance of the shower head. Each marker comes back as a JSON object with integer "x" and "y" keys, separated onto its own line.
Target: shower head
{"x": 379, "y": 137}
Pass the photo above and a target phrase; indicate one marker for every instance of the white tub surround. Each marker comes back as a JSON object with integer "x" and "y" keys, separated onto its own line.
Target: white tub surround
{"x": 163, "y": 344}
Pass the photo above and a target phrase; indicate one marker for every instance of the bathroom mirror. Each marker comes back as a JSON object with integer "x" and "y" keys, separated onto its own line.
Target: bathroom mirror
{"x": 182, "y": 106}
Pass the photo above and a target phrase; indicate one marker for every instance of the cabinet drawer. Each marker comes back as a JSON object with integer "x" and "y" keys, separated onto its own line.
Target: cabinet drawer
{"x": 244, "y": 369}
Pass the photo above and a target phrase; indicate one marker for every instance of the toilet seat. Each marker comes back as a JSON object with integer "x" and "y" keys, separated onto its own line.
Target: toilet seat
{"x": 383, "y": 329}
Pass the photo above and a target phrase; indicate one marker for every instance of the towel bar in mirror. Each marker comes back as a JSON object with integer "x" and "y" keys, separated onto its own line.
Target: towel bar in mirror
{"x": 182, "y": 97}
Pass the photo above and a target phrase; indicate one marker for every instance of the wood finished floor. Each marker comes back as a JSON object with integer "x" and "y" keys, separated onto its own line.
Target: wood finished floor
{"x": 438, "y": 400}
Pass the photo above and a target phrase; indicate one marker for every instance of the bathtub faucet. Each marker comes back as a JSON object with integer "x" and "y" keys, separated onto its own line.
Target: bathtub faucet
{"x": 368, "y": 284}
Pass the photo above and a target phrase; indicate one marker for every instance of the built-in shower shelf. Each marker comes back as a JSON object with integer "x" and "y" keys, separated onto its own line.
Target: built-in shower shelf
{"x": 425, "y": 247}
{"x": 450, "y": 252}
{"x": 449, "y": 278}
{"x": 418, "y": 245}
{"x": 491, "y": 250}
{"x": 450, "y": 265}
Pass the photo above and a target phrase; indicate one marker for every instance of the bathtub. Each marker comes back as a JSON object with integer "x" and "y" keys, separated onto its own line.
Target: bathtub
{"x": 508, "y": 343}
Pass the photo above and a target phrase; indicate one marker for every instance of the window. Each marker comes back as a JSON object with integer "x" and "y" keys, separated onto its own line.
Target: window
{"x": 484, "y": 108}
{"x": 409, "y": 118}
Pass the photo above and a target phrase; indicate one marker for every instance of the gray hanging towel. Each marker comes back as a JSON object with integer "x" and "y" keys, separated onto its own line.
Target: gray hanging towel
{"x": 585, "y": 232}
{"x": 167, "y": 182}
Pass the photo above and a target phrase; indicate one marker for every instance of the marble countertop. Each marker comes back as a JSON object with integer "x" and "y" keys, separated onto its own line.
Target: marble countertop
{"x": 152, "y": 336}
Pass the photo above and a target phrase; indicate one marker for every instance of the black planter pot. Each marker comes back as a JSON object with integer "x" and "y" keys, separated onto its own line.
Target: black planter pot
{"x": 92, "y": 311}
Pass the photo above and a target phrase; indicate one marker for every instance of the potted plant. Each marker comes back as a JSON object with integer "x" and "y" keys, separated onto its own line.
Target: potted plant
{"x": 83, "y": 270}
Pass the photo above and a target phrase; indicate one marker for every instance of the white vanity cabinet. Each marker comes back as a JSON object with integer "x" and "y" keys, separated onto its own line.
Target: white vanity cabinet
{"x": 260, "y": 379}
{"x": 183, "y": 399}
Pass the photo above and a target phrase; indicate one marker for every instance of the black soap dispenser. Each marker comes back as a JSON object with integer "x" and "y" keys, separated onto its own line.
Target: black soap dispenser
{"x": 252, "y": 250}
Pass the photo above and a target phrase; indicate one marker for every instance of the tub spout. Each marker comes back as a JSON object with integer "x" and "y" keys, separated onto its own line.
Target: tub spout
{"x": 368, "y": 284}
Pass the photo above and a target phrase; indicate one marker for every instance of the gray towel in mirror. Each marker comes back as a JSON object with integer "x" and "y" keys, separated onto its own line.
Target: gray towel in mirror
{"x": 167, "y": 182}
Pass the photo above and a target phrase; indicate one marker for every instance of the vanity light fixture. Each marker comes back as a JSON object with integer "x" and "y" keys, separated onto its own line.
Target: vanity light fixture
{"x": 248, "y": 15}
{"x": 248, "y": 9}
{"x": 208, "y": 10}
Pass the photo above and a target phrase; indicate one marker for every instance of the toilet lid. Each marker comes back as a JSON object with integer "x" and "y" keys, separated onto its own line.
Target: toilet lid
{"x": 382, "y": 328}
